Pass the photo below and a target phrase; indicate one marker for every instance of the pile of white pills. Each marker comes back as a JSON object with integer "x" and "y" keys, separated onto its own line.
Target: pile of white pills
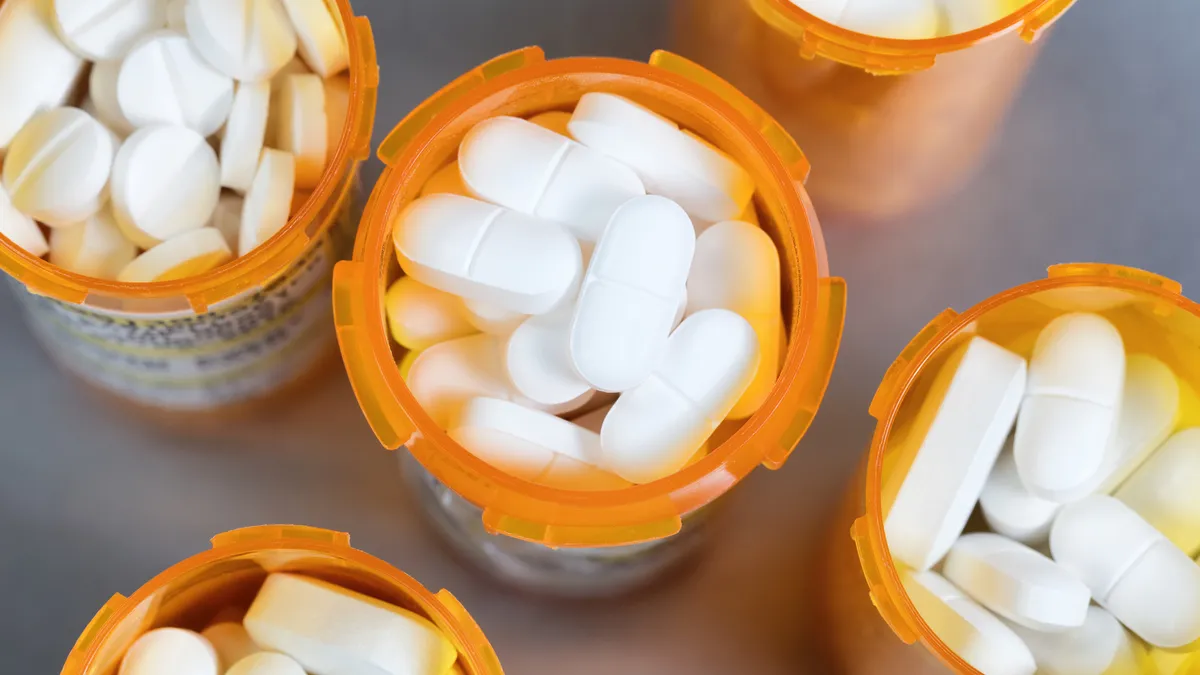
{"x": 1092, "y": 504}
{"x": 299, "y": 626}
{"x": 910, "y": 19}
{"x": 198, "y": 125}
{"x": 601, "y": 263}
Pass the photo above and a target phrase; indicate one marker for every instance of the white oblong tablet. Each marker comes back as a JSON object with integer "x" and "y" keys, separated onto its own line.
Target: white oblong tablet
{"x": 245, "y": 135}
{"x": 1010, "y": 509}
{"x": 631, "y": 293}
{"x": 57, "y": 168}
{"x": 95, "y": 248}
{"x": 321, "y": 42}
{"x": 555, "y": 120}
{"x": 227, "y": 218}
{"x": 656, "y": 427}
{"x": 301, "y": 126}
{"x": 537, "y": 358}
{"x": 163, "y": 80}
{"x": 420, "y": 316}
{"x": 706, "y": 182}
{"x": 102, "y": 89}
{"x": 165, "y": 181}
{"x": 266, "y": 663}
{"x": 942, "y": 465}
{"x": 528, "y": 168}
{"x": 269, "y": 200}
{"x": 104, "y": 29}
{"x": 27, "y": 37}
{"x": 975, "y": 634}
{"x": 170, "y": 650}
{"x": 231, "y": 641}
{"x": 446, "y": 180}
{"x": 483, "y": 252}
{"x": 1132, "y": 570}
{"x": 248, "y": 40}
{"x": 182, "y": 256}
{"x": 1165, "y": 491}
{"x": 1101, "y": 646}
{"x": 1149, "y": 409}
{"x": 906, "y": 20}
{"x": 20, "y": 228}
{"x": 491, "y": 319}
{"x": 329, "y": 630}
{"x": 1076, "y": 377}
{"x": 1017, "y": 582}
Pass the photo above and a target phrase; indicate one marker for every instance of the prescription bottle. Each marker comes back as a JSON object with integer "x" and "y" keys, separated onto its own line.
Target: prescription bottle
{"x": 193, "y": 592}
{"x": 888, "y": 124}
{"x": 224, "y": 341}
{"x": 872, "y": 625}
{"x": 557, "y": 541}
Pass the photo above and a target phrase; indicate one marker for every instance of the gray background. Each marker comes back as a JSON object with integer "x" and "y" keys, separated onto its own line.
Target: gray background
{"x": 1099, "y": 162}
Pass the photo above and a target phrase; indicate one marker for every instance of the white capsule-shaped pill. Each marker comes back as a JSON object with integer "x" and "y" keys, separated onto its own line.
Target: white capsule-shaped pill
{"x": 527, "y": 168}
{"x": 537, "y": 358}
{"x": 104, "y": 29}
{"x": 245, "y": 135}
{"x": 631, "y": 293}
{"x": 163, "y": 80}
{"x": 248, "y": 40}
{"x": 420, "y": 317}
{"x": 736, "y": 267}
{"x": 1063, "y": 443}
{"x": 554, "y": 120}
{"x": 185, "y": 255}
{"x": 268, "y": 202}
{"x": 321, "y": 42}
{"x": 102, "y": 91}
{"x": 170, "y": 650}
{"x": 975, "y": 634}
{"x": 95, "y": 248}
{"x": 331, "y": 630}
{"x": 37, "y": 71}
{"x": 1132, "y": 570}
{"x": 20, "y": 228}
{"x": 942, "y": 465}
{"x": 706, "y": 182}
{"x": 446, "y": 180}
{"x": 1010, "y": 509}
{"x": 1165, "y": 491}
{"x": 1101, "y": 646}
{"x": 492, "y": 319}
{"x": 266, "y": 663}
{"x": 483, "y": 252}
{"x": 898, "y": 19}
{"x": 1017, "y": 582}
{"x": 231, "y": 641}
{"x": 1149, "y": 409}
{"x": 58, "y": 166}
{"x": 656, "y": 427}
{"x": 301, "y": 127}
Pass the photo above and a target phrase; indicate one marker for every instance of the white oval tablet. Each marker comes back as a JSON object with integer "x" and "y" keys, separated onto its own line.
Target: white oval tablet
{"x": 301, "y": 126}
{"x": 231, "y": 641}
{"x": 321, "y": 42}
{"x": 227, "y": 218}
{"x": 27, "y": 37}
{"x": 245, "y": 135}
{"x": 182, "y": 256}
{"x": 491, "y": 319}
{"x": 102, "y": 89}
{"x": 631, "y": 293}
{"x": 1010, "y": 509}
{"x": 655, "y": 428}
{"x": 520, "y": 165}
{"x": 1101, "y": 646}
{"x": 537, "y": 358}
{"x": 268, "y": 203}
{"x": 248, "y": 40}
{"x": 329, "y": 629}
{"x": 266, "y": 663}
{"x": 1165, "y": 491}
{"x": 902, "y": 20}
{"x": 420, "y": 316}
{"x": 20, "y": 228}
{"x": 170, "y": 650}
{"x": 1132, "y": 570}
{"x": 95, "y": 248}
{"x": 104, "y": 29}
{"x": 483, "y": 252}
{"x": 1069, "y": 413}
{"x": 706, "y": 182}
{"x": 166, "y": 181}
{"x": 57, "y": 168}
{"x": 163, "y": 80}
{"x": 1149, "y": 408}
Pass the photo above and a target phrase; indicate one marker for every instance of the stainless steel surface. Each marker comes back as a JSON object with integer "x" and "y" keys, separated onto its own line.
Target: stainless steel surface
{"x": 1098, "y": 162}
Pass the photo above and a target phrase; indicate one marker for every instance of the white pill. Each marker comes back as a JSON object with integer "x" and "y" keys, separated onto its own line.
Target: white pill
{"x": 330, "y": 630}
{"x": 520, "y": 165}
{"x": 521, "y": 441}
{"x": 177, "y": 15}
{"x": 707, "y": 183}
{"x": 163, "y": 80}
{"x": 483, "y": 252}
{"x": 1011, "y": 509}
{"x": 227, "y": 218}
{"x": 420, "y": 316}
{"x": 170, "y": 650}
{"x": 1101, "y": 646}
{"x": 537, "y": 358}
{"x": 631, "y": 293}
{"x": 37, "y": 71}
{"x": 58, "y": 166}
{"x": 446, "y": 180}
{"x": 491, "y": 319}
{"x": 736, "y": 267}
{"x": 268, "y": 203}
{"x": 1165, "y": 491}
{"x": 898, "y": 19}
{"x": 266, "y": 663}
{"x": 95, "y": 248}
{"x": 655, "y": 428}
{"x": 1149, "y": 408}
{"x": 1017, "y": 582}
{"x": 555, "y": 120}
{"x": 569, "y": 474}
{"x": 301, "y": 126}
{"x": 104, "y": 29}
{"x": 957, "y": 435}
{"x": 20, "y": 228}
{"x": 1076, "y": 377}
{"x": 1132, "y": 569}
{"x": 182, "y": 256}
{"x": 248, "y": 40}
{"x": 245, "y": 135}
{"x": 102, "y": 91}
{"x": 975, "y": 634}
{"x": 231, "y": 641}
{"x": 321, "y": 41}
{"x": 166, "y": 181}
